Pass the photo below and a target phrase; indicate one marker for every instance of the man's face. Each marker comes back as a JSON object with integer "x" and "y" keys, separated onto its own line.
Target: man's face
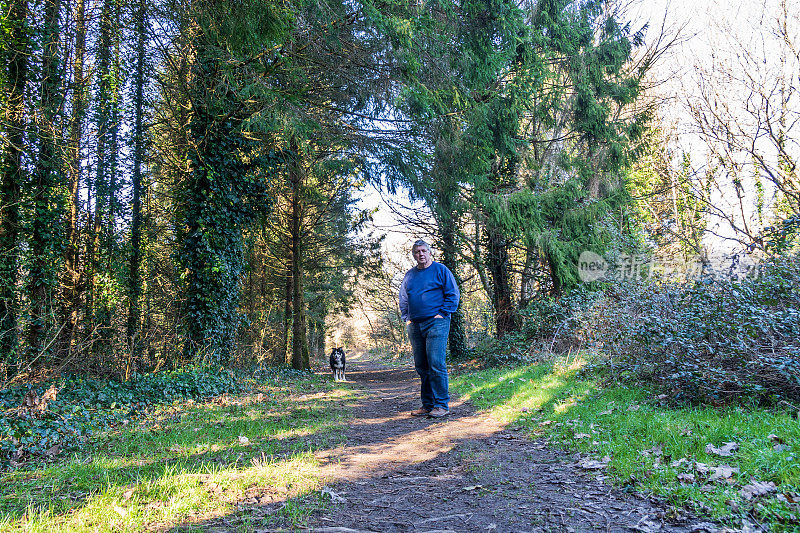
{"x": 423, "y": 256}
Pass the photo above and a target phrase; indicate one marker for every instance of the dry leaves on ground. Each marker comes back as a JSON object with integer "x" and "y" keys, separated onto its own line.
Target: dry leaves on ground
{"x": 591, "y": 464}
{"x": 726, "y": 450}
{"x": 757, "y": 488}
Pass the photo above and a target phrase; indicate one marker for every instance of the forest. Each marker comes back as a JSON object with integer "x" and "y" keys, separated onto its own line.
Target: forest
{"x": 187, "y": 213}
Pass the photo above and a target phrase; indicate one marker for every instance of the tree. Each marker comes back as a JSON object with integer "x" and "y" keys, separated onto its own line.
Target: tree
{"x": 71, "y": 275}
{"x": 670, "y": 211}
{"x": 15, "y": 55}
{"x": 46, "y": 198}
{"x": 745, "y": 111}
{"x": 134, "y": 270}
{"x": 221, "y": 193}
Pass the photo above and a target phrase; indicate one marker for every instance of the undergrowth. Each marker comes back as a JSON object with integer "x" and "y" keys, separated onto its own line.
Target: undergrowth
{"x": 713, "y": 341}
{"x": 83, "y": 407}
{"x": 189, "y": 453}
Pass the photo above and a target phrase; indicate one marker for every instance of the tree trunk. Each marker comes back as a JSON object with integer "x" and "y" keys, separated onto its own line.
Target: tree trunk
{"x": 528, "y": 272}
{"x": 106, "y": 180}
{"x": 10, "y": 184}
{"x": 458, "y": 338}
{"x": 45, "y": 218}
{"x": 287, "y": 313}
{"x": 135, "y": 281}
{"x": 497, "y": 262}
{"x": 478, "y": 262}
{"x": 71, "y": 275}
{"x": 300, "y": 360}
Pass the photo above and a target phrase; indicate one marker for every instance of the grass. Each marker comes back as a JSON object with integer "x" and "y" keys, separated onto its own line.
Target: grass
{"x": 649, "y": 443}
{"x": 247, "y": 460}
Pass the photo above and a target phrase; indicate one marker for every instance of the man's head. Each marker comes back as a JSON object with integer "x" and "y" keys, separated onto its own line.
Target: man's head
{"x": 422, "y": 254}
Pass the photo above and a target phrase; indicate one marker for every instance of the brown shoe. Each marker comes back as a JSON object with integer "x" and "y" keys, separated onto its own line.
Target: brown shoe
{"x": 422, "y": 411}
{"x": 438, "y": 412}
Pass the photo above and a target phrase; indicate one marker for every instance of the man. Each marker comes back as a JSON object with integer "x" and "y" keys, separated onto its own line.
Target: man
{"x": 428, "y": 296}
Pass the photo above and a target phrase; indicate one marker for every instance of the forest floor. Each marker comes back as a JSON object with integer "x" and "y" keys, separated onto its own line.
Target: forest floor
{"x": 294, "y": 451}
{"x": 465, "y": 472}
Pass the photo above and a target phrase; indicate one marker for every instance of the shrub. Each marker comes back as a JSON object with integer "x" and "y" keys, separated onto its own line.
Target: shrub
{"x": 548, "y": 323}
{"x": 713, "y": 341}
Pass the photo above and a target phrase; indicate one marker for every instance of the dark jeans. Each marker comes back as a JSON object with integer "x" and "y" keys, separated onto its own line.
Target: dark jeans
{"x": 429, "y": 343}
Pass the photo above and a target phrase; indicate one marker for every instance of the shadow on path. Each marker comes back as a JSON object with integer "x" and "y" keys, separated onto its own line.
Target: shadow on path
{"x": 466, "y": 472}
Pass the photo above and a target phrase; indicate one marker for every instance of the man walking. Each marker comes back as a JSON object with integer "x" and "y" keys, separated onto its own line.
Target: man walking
{"x": 428, "y": 296}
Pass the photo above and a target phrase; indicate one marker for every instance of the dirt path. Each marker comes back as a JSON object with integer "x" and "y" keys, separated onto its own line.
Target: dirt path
{"x": 463, "y": 473}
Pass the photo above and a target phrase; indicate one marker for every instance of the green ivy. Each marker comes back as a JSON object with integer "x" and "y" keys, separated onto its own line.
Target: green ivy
{"x": 86, "y": 406}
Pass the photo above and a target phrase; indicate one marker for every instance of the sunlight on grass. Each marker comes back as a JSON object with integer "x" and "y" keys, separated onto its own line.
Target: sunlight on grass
{"x": 651, "y": 444}
{"x": 196, "y": 467}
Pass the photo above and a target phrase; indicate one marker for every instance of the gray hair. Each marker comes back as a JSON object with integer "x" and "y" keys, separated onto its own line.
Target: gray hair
{"x": 419, "y": 244}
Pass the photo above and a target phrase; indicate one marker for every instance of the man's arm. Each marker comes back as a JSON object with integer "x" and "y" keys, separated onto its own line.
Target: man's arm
{"x": 451, "y": 294}
{"x": 403, "y": 299}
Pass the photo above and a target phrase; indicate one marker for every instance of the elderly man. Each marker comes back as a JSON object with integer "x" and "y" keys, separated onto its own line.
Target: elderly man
{"x": 428, "y": 296}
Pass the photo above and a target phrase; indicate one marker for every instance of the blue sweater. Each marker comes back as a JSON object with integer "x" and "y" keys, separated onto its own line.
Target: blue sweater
{"x": 428, "y": 292}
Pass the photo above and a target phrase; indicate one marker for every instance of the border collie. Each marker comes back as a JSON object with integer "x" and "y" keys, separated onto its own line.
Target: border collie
{"x": 337, "y": 364}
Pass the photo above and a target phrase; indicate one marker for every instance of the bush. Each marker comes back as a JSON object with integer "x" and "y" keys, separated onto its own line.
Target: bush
{"x": 548, "y": 323}
{"x": 711, "y": 341}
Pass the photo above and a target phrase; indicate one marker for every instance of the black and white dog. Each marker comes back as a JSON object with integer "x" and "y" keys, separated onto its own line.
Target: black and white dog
{"x": 337, "y": 364}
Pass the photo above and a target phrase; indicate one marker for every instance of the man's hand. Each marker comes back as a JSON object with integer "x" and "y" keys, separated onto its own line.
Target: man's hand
{"x": 438, "y": 316}
{"x": 408, "y": 322}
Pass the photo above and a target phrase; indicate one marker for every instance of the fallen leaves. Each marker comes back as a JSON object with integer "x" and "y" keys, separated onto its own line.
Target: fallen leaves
{"x": 791, "y": 498}
{"x": 53, "y": 451}
{"x": 723, "y": 473}
{"x": 779, "y": 444}
{"x": 755, "y": 489}
{"x": 655, "y": 451}
{"x": 334, "y": 497}
{"x": 726, "y": 450}
{"x": 591, "y": 464}
{"x": 34, "y": 405}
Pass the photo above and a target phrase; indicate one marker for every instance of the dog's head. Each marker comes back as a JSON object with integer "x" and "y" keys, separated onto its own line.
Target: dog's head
{"x": 337, "y": 354}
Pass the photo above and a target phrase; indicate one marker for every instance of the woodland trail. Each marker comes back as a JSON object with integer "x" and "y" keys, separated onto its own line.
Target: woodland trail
{"x": 466, "y": 472}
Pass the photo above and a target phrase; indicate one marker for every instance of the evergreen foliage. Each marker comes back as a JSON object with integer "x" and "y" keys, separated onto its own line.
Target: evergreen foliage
{"x": 219, "y": 199}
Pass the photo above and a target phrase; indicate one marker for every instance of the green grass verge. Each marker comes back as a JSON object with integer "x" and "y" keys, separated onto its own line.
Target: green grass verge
{"x": 651, "y": 444}
{"x": 189, "y": 464}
